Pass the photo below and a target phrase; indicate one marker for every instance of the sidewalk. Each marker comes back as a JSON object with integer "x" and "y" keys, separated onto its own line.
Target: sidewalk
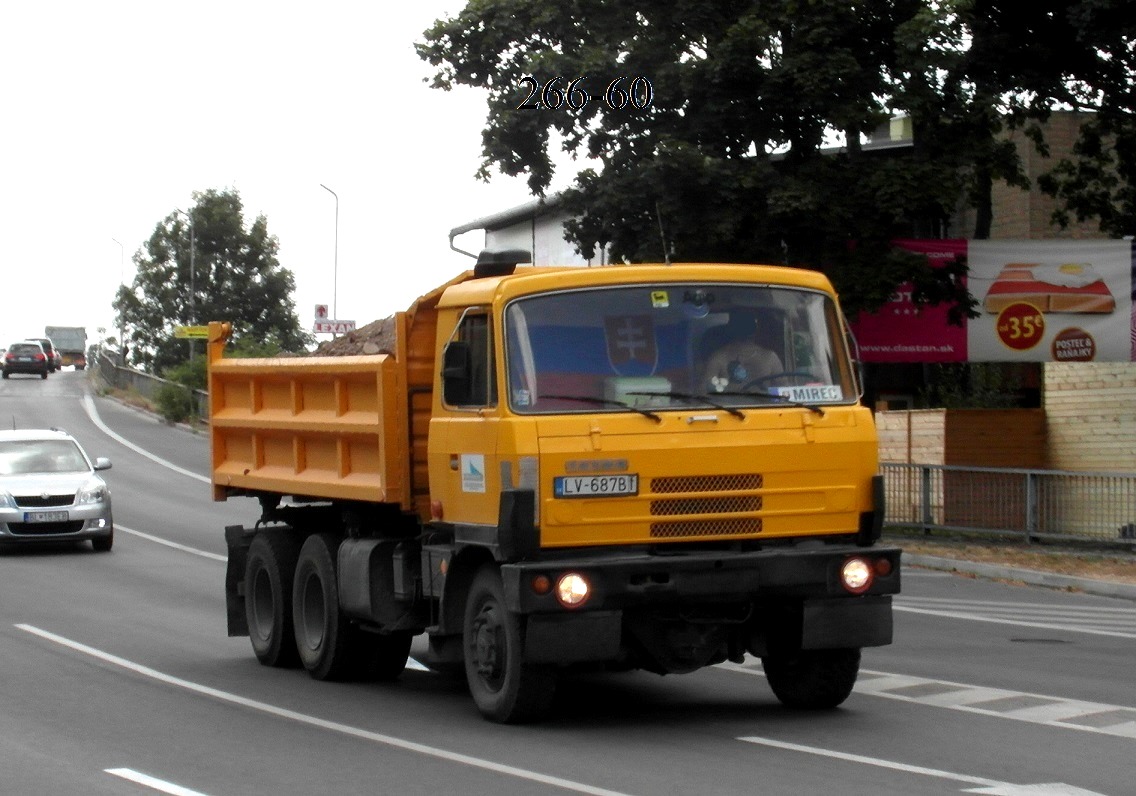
{"x": 1032, "y": 577}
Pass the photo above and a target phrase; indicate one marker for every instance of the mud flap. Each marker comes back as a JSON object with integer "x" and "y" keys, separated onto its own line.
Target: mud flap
{"x": 846, "y": 623}
{"x": 237, "y": 539}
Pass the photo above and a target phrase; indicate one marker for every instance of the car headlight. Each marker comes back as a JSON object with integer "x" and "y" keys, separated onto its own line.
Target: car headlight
{"x": 93, "y": 493}
{"x": 7, "y": 501}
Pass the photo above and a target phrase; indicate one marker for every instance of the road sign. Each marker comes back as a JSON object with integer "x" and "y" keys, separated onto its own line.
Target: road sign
{"x": 321, "y": 312}
{"x": 191, "y": 332}
{"x": 333, "y": 327}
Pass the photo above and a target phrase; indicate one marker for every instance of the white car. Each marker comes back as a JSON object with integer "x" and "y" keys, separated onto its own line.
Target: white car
{"x": 50, "y": 490}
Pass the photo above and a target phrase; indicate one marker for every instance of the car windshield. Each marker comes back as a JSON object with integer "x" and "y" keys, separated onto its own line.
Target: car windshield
{"x": 673, "y": 346}
{"x": 21, "y": 457}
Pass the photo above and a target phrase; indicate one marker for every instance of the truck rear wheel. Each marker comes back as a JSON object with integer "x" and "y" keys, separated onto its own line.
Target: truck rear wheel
{"x": 325, "y": 639}
{"x": 812, "y": 679}
{"x": 505, "y": 688}
{"x": 269, "y": 568}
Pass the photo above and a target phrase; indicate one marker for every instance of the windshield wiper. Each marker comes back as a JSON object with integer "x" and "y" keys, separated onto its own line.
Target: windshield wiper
{"x": 685, "y": 396}
{"x": 588, "y": 399}
{"x": 775, "y": 396}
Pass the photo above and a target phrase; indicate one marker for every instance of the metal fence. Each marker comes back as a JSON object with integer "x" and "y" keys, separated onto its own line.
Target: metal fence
{"x": 1037, "y": 504}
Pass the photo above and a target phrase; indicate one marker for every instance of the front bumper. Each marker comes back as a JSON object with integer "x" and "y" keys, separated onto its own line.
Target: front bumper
{"x": 83, "y": 523}
{"x": 622, "y": 580}
{"x": 758, "y": 600}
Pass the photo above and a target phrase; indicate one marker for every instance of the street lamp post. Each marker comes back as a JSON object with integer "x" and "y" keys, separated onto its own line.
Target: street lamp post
{"x": 335, "y": 272}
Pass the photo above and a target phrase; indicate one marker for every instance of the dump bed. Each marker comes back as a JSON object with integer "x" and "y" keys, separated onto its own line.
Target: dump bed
{"x": 68, "y": 339}
{"x": 308, "y": 427}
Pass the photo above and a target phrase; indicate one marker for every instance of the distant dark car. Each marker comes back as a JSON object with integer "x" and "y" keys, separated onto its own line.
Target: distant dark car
{"x": 51, "y": 491}
{"x": 26, "y": 357}
{"x": 54, "y": 358}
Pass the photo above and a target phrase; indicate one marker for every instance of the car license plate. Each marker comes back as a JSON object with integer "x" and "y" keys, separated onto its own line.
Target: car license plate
{"x": 45, "y": 516}
{"x": 24, "y": 359}
{"x": 570, "y": 486}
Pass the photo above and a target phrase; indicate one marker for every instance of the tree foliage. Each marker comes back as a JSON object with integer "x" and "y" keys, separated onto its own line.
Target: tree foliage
{"x": 235, "y": 276}
{"x": 736, "y": 159}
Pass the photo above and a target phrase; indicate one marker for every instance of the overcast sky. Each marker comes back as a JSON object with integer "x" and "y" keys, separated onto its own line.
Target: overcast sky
{"x": 116, "y": 112}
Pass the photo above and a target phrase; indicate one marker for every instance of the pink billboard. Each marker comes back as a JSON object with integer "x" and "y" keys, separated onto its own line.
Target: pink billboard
{"x": 901, "y": 330}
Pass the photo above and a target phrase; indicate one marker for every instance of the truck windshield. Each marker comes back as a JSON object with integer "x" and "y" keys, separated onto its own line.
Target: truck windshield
{"x": 675, "y": 346}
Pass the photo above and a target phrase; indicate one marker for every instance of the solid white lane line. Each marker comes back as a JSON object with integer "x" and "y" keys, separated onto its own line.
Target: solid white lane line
{"x": 153, "y": 783}
{"x": 1019, "y": 623}
{"x": 875, "y": 761}
{"x": 93, "y": 413}
{"x": 174, "y": 545}
{"x": 324, "y": 724}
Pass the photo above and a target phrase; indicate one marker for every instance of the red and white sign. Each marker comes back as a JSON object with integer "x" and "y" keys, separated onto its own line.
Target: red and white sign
{"x": 321, "y": 312}
{"x": 333, "y": 327}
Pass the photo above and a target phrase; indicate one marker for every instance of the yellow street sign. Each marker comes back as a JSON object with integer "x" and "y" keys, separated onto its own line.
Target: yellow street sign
{"x": 185, "y": 332}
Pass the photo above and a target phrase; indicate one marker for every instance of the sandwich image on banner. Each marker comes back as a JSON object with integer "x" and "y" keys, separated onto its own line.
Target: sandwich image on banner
{"x": 1051, "y": 287}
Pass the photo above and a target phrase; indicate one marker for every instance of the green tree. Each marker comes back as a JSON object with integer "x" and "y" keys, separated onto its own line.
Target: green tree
{"x": 734, "y": 158}
{"x": 235, "y": 277}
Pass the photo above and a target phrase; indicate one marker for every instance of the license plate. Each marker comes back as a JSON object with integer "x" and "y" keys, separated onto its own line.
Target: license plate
{"x": 570, "y": 486}
{"x": 45, "y": 516}
{"x": 24, "y": 359}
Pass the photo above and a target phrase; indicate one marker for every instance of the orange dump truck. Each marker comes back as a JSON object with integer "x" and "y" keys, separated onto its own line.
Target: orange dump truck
{"x": 550, "y": 473}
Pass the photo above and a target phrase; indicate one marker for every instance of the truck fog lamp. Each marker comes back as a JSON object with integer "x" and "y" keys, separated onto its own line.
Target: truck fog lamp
{"x": 572, "y": 590}
{"x": 856, "y": 575}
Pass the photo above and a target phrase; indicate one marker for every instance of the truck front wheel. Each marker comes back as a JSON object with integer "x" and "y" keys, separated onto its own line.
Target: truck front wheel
{"x": 324, "y": 637}
{"x": 504, "y": 688}
{"x": 812, "y": 679}
{"x": 269, "y": 566}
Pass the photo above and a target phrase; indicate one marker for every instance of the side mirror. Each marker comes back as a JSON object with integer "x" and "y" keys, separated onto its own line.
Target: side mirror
{"x": 102, "y": 463}
{"x": 456, "y": 375}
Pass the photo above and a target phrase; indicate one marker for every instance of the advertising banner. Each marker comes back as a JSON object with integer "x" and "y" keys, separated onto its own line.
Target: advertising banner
{"x": 902, "y": 331}
{"x": 1051, "y": 300}
{"x": 1039, "y": 301}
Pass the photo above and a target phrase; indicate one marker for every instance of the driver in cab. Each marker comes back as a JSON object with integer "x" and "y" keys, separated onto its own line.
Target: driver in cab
{"x": 742, "y": 362}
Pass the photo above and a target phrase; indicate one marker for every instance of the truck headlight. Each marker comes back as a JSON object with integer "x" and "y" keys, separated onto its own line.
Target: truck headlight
{"x": 573, "y": 590}
{"x": 856, "y": 575}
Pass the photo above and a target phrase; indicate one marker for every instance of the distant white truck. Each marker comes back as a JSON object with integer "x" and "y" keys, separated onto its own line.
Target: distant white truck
{"x": 71, "y": 342}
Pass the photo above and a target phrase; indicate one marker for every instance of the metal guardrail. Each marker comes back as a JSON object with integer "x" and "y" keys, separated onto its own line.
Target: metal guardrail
{"x": 121, "y": 377}
{"x": 1039, "y": 505}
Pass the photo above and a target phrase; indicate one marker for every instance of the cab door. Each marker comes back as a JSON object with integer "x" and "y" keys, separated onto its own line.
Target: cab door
{"x": 464, "y": 463}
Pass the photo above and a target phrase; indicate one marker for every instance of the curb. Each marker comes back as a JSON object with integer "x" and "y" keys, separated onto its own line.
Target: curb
{"x": 1103, "y": 588}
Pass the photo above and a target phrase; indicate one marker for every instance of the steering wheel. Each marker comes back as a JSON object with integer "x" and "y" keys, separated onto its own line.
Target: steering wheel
{"x": 785, "y": 374}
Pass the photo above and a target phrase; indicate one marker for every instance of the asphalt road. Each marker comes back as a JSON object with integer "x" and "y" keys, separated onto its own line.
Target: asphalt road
{"x": 118, "y": 678}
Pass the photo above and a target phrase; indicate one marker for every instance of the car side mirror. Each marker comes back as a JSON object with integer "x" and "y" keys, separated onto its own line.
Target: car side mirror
{"x": 102, "y": 463}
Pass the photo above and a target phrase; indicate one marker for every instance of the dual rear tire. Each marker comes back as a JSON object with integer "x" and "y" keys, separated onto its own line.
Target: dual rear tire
{"x": 292, "y": 608}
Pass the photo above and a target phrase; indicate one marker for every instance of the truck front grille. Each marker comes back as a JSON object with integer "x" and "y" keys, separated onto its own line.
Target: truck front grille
{"x": 706, "y": 505}
{"x": 671, "y": 484}
{"x": 690, "y": 528}
{"x": 697, "y": 496}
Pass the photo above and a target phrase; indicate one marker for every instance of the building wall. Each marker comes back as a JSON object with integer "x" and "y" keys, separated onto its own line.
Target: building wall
{"x": 543, "y": 236}
{"x": 1028, "y": 213}
{"x": 1091, "y": 409}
